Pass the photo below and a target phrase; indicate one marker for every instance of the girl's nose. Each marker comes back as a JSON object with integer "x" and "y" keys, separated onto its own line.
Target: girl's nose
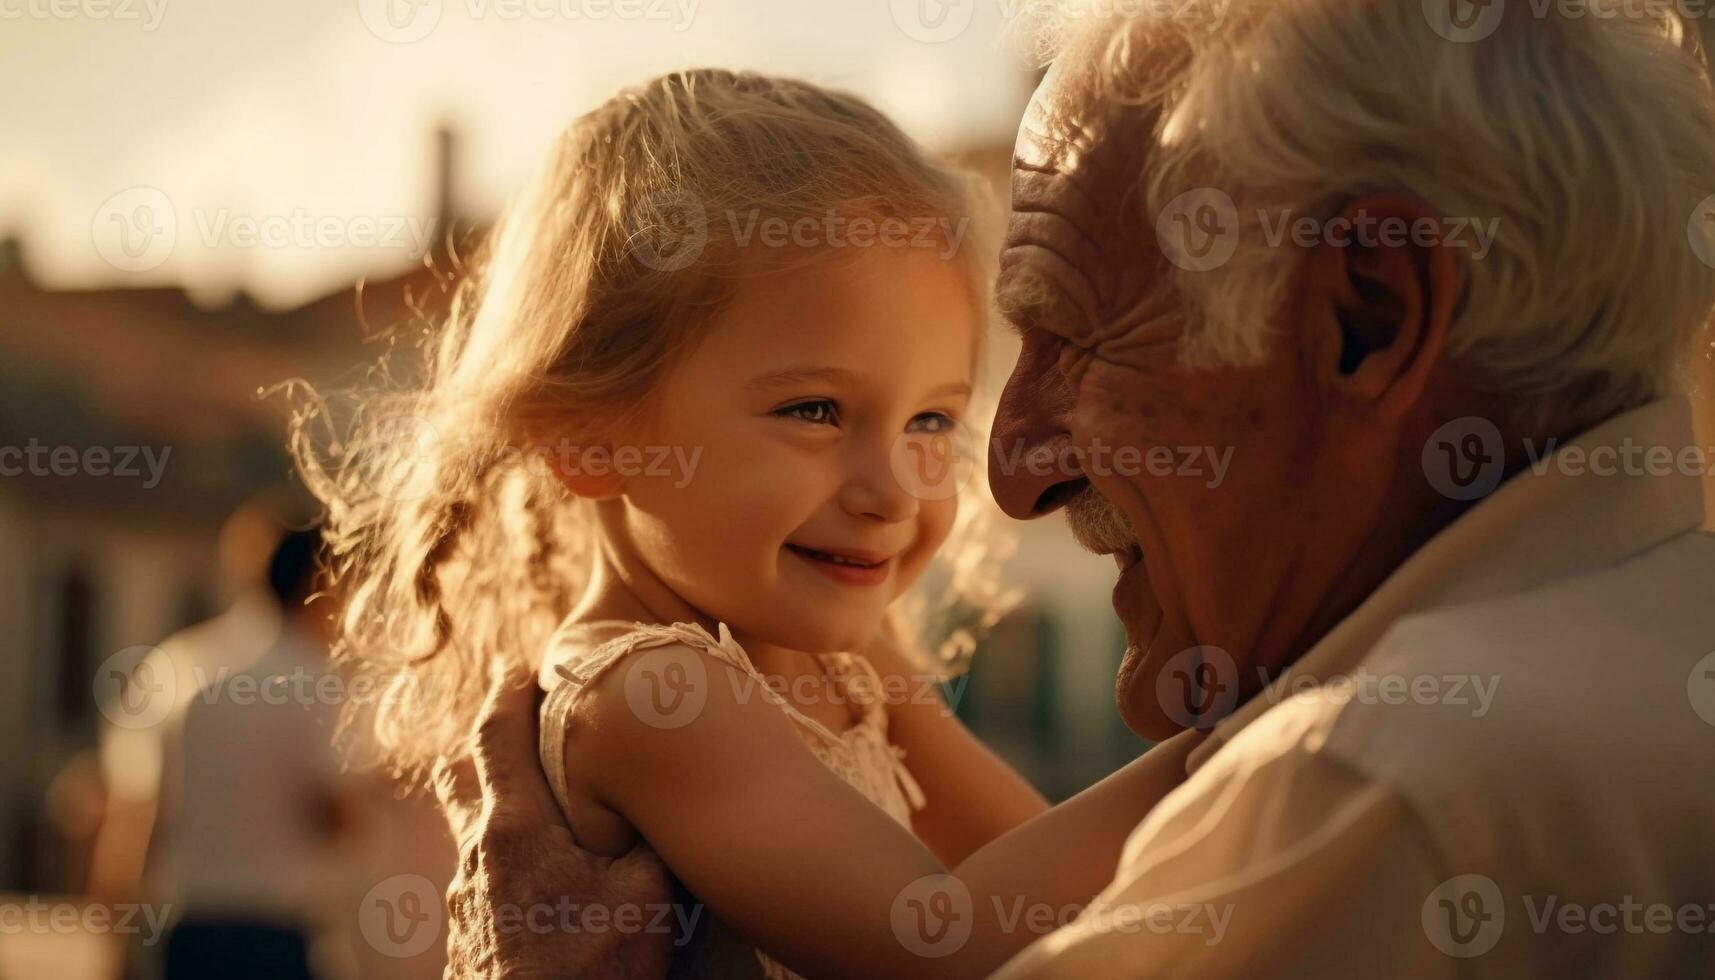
{"x": 875, "y": 492}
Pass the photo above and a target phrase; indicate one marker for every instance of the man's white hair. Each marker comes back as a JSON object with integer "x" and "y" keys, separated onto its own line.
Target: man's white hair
{"x": 1589, "y": 139}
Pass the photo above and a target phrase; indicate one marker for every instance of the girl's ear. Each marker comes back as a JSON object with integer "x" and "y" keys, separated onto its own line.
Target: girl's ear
{"x": 588, "y": 471}
{"x": 585, "y": 466}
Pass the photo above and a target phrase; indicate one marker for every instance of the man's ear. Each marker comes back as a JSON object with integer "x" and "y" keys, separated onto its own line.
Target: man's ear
{"x": 1381, "y": 289}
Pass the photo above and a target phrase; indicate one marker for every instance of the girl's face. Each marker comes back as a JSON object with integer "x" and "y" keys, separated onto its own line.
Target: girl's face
{"x": 792, "y": 510}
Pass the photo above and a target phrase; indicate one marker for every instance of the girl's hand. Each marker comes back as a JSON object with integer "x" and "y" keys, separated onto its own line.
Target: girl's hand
{"x": 520, "y": 868}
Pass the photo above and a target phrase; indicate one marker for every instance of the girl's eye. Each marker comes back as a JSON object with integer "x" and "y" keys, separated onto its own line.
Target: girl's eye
{"x": 931, "y": 422}
{"x": 822, "y": 411}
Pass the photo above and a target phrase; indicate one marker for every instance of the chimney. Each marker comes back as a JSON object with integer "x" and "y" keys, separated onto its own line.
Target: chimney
{"x": 11, "y": 258}
{"x": 446, "y": 209}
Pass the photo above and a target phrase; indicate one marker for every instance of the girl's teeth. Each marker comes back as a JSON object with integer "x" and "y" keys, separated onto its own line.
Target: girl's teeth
{"x": 839, "y": 560}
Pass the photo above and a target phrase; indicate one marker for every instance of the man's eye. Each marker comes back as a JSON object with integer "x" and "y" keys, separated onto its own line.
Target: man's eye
{"x": 822, "y": 411}
{"x": 931, "y": 422}
{"x": 1071, "y": 360}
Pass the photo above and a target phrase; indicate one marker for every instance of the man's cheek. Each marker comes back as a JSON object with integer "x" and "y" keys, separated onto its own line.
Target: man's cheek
{"x": 1113, "y": 426}
{"x": 1111, "y": 386}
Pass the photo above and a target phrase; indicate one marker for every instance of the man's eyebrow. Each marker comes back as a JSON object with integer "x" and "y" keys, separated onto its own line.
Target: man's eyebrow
{"x": 798, "y": 374}
{"x": 1020, "y": 306}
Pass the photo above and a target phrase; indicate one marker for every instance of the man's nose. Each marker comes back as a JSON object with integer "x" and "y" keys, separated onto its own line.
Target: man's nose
{"x": 1033, "y": 466}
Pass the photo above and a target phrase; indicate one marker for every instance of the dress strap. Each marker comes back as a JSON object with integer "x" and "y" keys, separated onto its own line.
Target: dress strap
{"x": 580, "y": 667}
{"x": 907, "y": 782}
{"x": 569, "y": 667}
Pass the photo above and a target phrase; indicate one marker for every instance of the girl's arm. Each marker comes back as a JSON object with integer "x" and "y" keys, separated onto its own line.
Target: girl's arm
{"x": 973, "y": 795}
{"x": 792, "y": 856}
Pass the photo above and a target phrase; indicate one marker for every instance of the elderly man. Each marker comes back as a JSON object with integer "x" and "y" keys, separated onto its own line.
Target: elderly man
{"x": 1441, "y": 642}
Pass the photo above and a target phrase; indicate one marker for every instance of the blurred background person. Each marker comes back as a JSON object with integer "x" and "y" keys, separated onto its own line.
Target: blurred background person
{"x": 227, "y": 812}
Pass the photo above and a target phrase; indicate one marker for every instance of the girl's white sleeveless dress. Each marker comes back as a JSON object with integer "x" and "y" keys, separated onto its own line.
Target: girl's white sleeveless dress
{"x": 578, "y": 653}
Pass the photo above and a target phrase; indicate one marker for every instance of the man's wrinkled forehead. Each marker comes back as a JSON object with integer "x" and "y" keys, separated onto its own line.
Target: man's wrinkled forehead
{"x": 1077, "y": 239}
{"x": 1076, "y": 119}
{"x": 1056, "y": 133}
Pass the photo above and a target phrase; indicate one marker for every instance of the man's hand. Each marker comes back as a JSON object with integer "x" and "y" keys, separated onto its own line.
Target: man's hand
{"x": 516, "y": 854}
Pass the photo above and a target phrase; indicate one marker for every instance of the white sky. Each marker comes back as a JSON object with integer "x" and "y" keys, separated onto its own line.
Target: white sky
{"x": 294, "y": 117}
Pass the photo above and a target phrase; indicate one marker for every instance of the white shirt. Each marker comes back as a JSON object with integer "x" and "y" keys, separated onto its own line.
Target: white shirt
{"x": 243, "y": 761}
{"x": 255, "y": 776}
{"x": 1376, "y": 813}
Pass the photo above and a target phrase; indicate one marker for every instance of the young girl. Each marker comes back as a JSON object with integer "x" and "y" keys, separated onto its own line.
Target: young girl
{"x": 683, "y": 443}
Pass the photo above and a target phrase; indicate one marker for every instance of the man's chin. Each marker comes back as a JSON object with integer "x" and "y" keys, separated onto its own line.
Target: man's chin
{"x": 1135, "y": 696}
{"x": 1134, "y": 686}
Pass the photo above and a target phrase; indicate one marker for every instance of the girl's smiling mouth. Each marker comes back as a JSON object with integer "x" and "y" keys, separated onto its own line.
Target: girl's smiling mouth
{"x": 844, "y": 565}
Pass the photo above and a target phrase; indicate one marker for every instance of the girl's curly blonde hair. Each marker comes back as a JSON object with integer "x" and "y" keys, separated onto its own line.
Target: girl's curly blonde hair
{"x": 454, "y": 547}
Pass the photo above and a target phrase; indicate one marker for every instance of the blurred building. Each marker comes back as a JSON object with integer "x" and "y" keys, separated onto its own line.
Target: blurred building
{"x": 136, "y": 423}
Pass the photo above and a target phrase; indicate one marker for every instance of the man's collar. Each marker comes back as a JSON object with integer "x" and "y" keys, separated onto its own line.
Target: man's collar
{"x": 1553, "y": 519}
